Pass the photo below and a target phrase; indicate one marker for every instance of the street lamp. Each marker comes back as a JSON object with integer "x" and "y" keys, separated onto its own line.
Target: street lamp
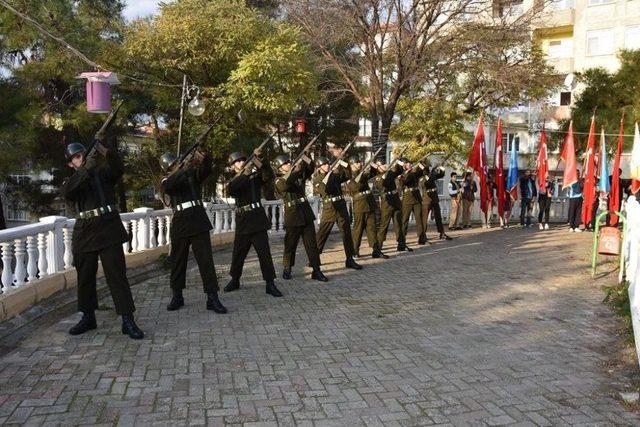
{"x": 195, "y": 107}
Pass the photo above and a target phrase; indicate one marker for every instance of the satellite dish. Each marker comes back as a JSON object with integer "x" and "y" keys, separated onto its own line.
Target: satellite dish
{"x": 570, "y": 81}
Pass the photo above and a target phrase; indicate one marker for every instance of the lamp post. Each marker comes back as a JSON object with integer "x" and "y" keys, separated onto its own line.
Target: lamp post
{"x": 195, "y": 106}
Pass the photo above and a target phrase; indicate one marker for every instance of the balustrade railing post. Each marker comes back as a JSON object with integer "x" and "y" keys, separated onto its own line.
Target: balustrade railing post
{"x": 162, "y": 238}
{"x": 134, "y": 236}
{"x": 32, "y": 258}
{"x": 68, "y": 253}
{"x": 144, "y": 228}
{"x": 7, "y": 273}
{"x": 167, "y": 220}
{"x": 55, "y": 243}
{"x": 42, "y": 256}
{"x": 20, "y": 272}
{"x": 219, "y": 218}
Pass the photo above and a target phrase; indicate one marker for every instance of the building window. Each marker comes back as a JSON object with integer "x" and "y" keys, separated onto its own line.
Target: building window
{"x": 510, "y": 140}
{"x": 600, "y": 42}
{"x": 555, "y": 49}
{"x": 632, "y": 38}
{"x": 565, "y": 98}
{"x": 599, "y": 2}
{"x": 508, "y": 7}
{"x": 561, "y": 4}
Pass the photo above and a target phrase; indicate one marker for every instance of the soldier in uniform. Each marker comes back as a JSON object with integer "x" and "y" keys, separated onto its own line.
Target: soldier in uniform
{"x": 411, "y": 198}
{"x": 98, "y": 233}
{"x": 364, "y": 207}
{"x": 251, "y": 220}
{"x": 298, "y": 216}
{"x": 431, "y": 201}
{"x": 190, "y": 226}
{"x": 390, "y": 204}
{"x": 334, "y": 208}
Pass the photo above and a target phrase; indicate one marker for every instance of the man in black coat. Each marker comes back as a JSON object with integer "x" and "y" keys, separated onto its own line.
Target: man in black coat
{"x": 390, "y": 204}
{"x": 298, "y": 215}
{"x": 528, "y": 194}
{"x": 98, "y": 234}
{"x": 190, "y": 227}
{"x": 334, "y": 208}
{"x": 252, "y": 222}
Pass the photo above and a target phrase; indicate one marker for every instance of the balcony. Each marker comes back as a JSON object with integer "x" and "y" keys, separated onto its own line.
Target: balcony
{"x": 562, "y": 65}
{"x": 553, "y": 20}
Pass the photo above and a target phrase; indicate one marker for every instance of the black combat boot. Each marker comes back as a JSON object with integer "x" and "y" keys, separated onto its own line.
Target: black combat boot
{"x": 233, "y": 285}
{"x": 213, "y": 303}
{"x": 422, "y": 240}
{"x": 318, "y": 275}
{"x": 286, "y": 273}
{"x": 443, "y": 236}
{"x": 130, "y": 328}
{"x": 87, "y": 323}
{"x": 402, "y": 247}
{"x": 377, "y": 253}
{"x": 350, "y": 263}
{"x": 272, "y": 290}
{"x": 177, "y": 301}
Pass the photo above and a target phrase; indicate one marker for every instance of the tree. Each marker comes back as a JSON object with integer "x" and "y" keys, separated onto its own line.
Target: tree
{"x": 43, "y": 102}
{"x": 609, "y": 94}
{"x": 460, "y": 51}
{"x": 241, "y": 59}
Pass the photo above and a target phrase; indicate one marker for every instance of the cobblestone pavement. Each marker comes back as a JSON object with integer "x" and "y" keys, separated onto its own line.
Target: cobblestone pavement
{"x": 494, "y": 327}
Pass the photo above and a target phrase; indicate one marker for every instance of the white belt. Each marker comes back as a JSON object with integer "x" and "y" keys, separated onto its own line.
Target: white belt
{"x": 332, "y": 199}
{"x": 407, "y": 190}
{"x": 97, "y": 212}
{"x": 187, "y": 205}
{"x": 250, "y": 207}
{"x": 363, "y": 193}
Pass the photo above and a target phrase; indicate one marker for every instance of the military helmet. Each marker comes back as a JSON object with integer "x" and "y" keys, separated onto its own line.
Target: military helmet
{"x": 404, "y": 160}
{"x": 73, "y": 149}
{"x": 321, "y": 160}
{"x": 354, "y": 159}
{"x": 166, "y": 160}
{"x": 235, "y": 156}
{"x": 281, "y": 160}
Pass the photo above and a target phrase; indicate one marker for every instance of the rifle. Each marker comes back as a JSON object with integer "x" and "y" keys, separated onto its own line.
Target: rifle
{"x": 338, "y": 160}
{"x": 302, "y": 154}
{"x": 368, "y": 165}
{"x": 100, "y": 135}
{"x": 253, "y": 158}
{"x": 187, "y": 156}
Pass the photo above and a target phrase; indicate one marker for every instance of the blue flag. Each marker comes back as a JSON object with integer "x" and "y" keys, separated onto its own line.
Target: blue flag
{"x": 604, "y": 184}
{"x": 512, "y": 176}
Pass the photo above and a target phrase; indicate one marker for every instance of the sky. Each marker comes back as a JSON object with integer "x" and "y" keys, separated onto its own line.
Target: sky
{"x": 140, "y": 8}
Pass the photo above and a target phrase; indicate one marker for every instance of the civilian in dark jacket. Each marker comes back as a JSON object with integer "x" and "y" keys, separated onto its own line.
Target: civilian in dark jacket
{"x": 528, "y": 194}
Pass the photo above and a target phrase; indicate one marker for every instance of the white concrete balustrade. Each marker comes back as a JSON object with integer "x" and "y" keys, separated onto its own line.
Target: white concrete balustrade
{"x": 34, "y": 251}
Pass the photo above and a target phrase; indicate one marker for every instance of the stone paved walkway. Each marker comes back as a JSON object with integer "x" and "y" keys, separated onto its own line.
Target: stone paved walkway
{"x": 495, "y": 327}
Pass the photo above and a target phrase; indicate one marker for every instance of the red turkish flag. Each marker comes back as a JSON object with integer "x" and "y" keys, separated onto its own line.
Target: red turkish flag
{"x": 589, "y": 191}
{"x": 543, "y": 162}
{"x": 568, "y": 156}
{"x": 478, "y": 162}
{"x": 614, "y": 196}
{"x": 498, "y": 166}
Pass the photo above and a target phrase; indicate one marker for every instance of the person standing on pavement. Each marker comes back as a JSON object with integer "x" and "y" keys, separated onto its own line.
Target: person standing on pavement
{"x": 298, "y": 215}
{"x": 528, "y": 194}
{"x": 390, "y": 204}
{"x": 469, "y": 189}
{"x": 252, "y": 223}
{"x": 98, "y": 234}
{"x": 334, "y": 207}
{"x": 455, "y": 193}
{"x": 190, "y": 227}
{"x": 491, "y": 198}
{"x": 411, "y": 198}
{"x": 575, "y": 205}
{"x": 431, "y": 201}
{"x": 364, "y": 207}
{"x": 545, "y": 195}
